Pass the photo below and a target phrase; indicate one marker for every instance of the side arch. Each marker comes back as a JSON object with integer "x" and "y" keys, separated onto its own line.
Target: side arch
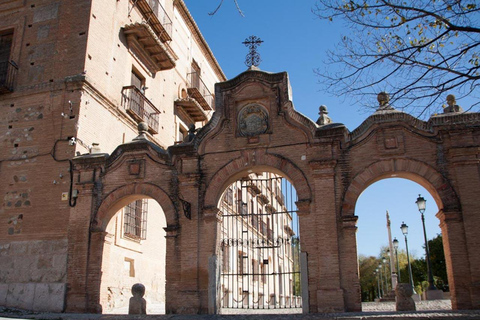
{"x": 414, "y": 170}
{"x": 420, "y": 172}
{"x": 122, "y": 196}
{"x": 260, "y": 161}
{"x": 100, "y": 239}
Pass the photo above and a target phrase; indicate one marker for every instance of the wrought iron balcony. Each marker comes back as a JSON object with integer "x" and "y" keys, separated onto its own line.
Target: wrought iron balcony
{"x": 156, "y": 16}
{"x": 140, "y": 108}
{"x": 8, "y": 73}
{"x": 145, "y": 44}
{"x": 198, "y": 90}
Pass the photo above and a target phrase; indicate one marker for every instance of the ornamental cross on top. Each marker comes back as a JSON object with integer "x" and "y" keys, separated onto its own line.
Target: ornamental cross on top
{"x": 253, "y": 57}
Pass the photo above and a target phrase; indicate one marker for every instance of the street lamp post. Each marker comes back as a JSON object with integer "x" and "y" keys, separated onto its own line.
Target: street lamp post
{"x": 381, "y": 279}
{"x": 404, "y": 229}
{"x": 421, "y": 203}
{"x": 384, "y": 260}
{"x": 378, "y": 283}
{"x": 395, "y": 246}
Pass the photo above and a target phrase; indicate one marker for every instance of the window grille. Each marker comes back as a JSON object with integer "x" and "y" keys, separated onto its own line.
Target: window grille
{"x": 135, "y": 220}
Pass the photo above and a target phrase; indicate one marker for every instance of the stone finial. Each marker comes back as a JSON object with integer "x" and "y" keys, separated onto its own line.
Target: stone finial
{"x": 95, "y": 148}
{"x": 142, "y": 131}
{"x": 383, "y": 99}
{"x": 323, "y": 119}
{"x": 137, "y": 304}
{"x": 452, "y": 105}
{"x": 404, "y": 301}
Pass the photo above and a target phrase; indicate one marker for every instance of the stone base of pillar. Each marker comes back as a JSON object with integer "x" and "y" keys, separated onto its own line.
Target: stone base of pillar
{"x": 434, "y": 294}
{"x": 390, "y": 296}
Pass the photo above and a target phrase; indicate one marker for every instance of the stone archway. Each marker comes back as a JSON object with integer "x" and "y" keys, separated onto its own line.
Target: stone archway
{"x": 410, "y": 169}
{"x": 255, "y": 127}
{"x": 256, "y": 161}
{"x": 121, "y": 196}
{"x": 416, "y": 171}
{"x": 101, "y": 240}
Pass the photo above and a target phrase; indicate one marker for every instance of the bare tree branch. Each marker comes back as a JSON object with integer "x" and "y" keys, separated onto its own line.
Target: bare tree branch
{"x": 220, "y": 4}
{"x": 417, "y": 50}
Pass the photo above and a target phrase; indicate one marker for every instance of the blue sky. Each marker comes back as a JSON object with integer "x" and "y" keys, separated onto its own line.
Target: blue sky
{"x": 296, "y": 41}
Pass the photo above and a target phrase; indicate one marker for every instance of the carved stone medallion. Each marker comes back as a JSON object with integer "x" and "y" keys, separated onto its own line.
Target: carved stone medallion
{"x": 252, "y": 121}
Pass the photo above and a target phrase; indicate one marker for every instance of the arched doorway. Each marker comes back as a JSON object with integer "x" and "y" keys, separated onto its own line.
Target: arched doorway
{"x": 426, "y": 176}
{"x": 134, "y": 252}
{"x": 260, "y": 254}
{"x": 381, "y": 209}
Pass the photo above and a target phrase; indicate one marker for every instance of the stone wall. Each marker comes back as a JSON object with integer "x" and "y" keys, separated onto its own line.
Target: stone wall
{"x": 33, "y": 274}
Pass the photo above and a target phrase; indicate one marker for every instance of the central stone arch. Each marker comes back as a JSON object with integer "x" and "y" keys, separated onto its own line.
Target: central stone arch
{"x": 262, "y": 162}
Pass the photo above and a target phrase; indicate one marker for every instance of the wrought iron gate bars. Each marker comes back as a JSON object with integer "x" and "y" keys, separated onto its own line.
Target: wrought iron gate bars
{"x": 261, "y": 251}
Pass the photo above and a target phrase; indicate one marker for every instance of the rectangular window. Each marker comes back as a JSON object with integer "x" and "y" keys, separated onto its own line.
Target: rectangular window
{"x": 255, "y": 267}
{"x": 242, "y": 264}
{"x": 196, "y": 74}
{"x": 137, "y": 80}
{"x": 7, "y": 67}
{"x": 264, "y": 273}
{"x": 226, "y": 259}
{"x": 228, "y": 198}
{"x": 135, "y": 219}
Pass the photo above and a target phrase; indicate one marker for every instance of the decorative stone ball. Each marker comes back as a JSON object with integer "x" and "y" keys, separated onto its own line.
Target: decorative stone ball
{"x": 383, "y": 98}
{"x": 142, "y": 127}
{"x": 323, "y": 109}
{"x": 138, "y": 290}
{"x": 451, "y": 100}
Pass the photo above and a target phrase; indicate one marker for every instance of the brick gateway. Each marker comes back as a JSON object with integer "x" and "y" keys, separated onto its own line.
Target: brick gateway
{"x": 256, "y": 128}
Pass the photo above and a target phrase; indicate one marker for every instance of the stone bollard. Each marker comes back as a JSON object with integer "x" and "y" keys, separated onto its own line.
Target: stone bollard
{"x": 137, "y": 304}
{"x": 403, "y": 293}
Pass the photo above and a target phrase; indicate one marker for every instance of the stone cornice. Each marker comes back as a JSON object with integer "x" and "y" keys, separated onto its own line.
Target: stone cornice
{"x": 192, "y": 25}
{"x": 393, "y": 117}
{"x": 430, "y": 127}
{"x": 138, "y": 146}
{"x": 249, "y": 75}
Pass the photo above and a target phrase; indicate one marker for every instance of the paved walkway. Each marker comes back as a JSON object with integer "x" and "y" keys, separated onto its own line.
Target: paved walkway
{"x": 427, "y": 310}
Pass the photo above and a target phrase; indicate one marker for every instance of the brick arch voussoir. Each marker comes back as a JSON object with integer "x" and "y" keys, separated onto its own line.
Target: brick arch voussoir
{"x": 425, "y": 174}
{"x": 238, "y": 165}
{"x": 112, "y": 203}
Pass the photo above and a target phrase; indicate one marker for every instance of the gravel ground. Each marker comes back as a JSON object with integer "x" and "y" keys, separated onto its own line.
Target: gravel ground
{"x": 426, "y": 310}
{"x": 421, "y": 306}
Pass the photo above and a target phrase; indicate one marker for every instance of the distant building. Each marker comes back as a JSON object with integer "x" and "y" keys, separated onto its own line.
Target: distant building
{"x": 260, "y": 250}
{"x": 77, "y": 77}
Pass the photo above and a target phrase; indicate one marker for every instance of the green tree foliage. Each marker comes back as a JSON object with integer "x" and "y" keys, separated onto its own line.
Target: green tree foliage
{"x": 416, "y": 50}
{"x": 437, "y": 257}
{"x": 419, "y": 267}
{"x": 368, "y": 282}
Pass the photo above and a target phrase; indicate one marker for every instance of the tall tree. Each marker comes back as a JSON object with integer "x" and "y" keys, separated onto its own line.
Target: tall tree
{"x": 368, "y": 280}
{"x": 417, "y": 50}
{"x": 437, "y": 257}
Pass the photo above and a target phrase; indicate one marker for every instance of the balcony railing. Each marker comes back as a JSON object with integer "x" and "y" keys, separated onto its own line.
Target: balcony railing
{"x": 8, "y": 73}
{"x": 157, "y": 17}
{"x": 198, "y": 90}
{"x": 140, "y": 108}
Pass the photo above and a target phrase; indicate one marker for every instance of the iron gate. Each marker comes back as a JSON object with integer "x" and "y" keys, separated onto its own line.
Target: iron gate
{"x": 260, "y": 264}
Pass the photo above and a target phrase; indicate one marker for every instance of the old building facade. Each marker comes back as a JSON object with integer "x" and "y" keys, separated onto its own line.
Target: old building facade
{"x": 79, "y": 229}
{"x": 77, "y": 76}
